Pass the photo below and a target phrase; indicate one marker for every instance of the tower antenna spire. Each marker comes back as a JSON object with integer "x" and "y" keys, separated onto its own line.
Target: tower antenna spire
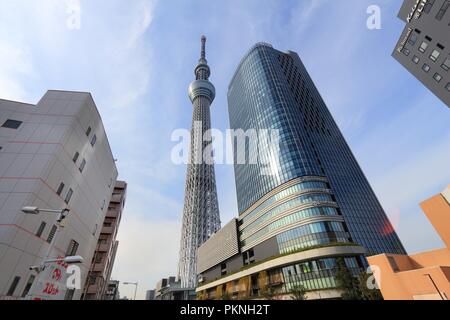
{"x": 203, "y": 52}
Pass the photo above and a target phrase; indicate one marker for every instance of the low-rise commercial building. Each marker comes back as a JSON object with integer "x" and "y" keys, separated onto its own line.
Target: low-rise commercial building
{"x": 422, "y": 276}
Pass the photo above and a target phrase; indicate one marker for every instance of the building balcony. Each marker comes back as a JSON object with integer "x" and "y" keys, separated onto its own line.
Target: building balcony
{"x": 99, "y": 267}
{"x": 117, "y": 198}
{"x": 93, "y": 289}
{"x": 112, "y": 214}
{"x": 104, "y": 247}
{"x": 108, "y": 230}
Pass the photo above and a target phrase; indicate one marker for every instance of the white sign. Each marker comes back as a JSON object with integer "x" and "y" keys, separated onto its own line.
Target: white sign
{"x": 417, "y": 10}
{"x": 51, "y": 283}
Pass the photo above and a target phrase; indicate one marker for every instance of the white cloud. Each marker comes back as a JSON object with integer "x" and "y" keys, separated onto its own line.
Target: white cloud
{"x": 15, "y": 64}
{"x": 148, "y": 252}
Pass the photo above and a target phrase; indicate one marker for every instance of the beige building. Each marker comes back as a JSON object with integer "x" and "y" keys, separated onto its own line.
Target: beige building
{"x": 103, "y": 262}
{"x": 426, "y": 275}
{"x": 53, "y": 155}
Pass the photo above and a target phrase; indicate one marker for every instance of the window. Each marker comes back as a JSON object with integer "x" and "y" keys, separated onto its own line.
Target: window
{"x": 416, "y": 59}
{"x": 446, "y": 64}
{"x": 443, "y": 10}
{"x": 82, "y": 165}
{"x": 448, "y": 87}
{"x": 426, "y": 67}
{"x": 28, "y": 286}
{"x": 412, "y": 39}
{"x": 76, "y": 156}
{"x": 88, "y": 132}
{"x": 52, "y": 233}
{"x": 223, "y": 268}
{"x": 435, "y": 55}
{"x": 13, "y": 287}
{"x": 99, "y": 258}
{"x": 393, "y": 264}
{"x": 437, "y": 77}
{"x": 41, "y": 229}
{"x": 428, "y": 6}
{"x": 68, "y": 196}
{"x": 406, "y": 52}
{"x": 72, "y": 249}
{"x": 94, "y": 140}
{"x": 60, "y": 189}
{"x": 12, "y": 124}
{"x": 423, "y": 47}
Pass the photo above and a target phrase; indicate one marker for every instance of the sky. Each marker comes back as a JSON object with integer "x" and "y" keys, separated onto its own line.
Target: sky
{"x": 137, "y": 59}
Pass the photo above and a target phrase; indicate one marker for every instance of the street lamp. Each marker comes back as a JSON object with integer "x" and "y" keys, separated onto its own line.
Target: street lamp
{"x": 134, "y": 284}
{"x": 62, "y": 214}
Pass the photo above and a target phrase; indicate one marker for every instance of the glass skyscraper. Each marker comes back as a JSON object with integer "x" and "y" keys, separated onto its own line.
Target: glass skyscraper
{"x": 306, "y": 210}
{"x": 317, "y": 192}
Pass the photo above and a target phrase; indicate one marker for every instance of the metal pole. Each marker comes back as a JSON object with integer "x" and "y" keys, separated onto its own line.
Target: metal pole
{"x": 49, "y": 251}
{"x": 135, "y": 290}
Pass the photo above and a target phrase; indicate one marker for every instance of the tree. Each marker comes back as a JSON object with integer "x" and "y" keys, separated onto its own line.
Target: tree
{"x": 226, "y": 296}
{"x": 366, "y": 292}
{"x": 347, "y": 282}
{"x": 268, "y": 294}
{"x": 298, "y": 293}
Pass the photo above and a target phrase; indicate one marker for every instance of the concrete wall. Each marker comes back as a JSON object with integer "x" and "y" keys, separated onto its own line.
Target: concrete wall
{"x": 34, "y": 160}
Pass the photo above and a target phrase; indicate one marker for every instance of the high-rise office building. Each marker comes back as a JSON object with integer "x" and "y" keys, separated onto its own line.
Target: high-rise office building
{"x": 424, "y": 46}
{"x": 105, "y": 253}
{"x": 53, "y": 155}
{"x": 304, "y": 203}
{"x": 201, "y": 216}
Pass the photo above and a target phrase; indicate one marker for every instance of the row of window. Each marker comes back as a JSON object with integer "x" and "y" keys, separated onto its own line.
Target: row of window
{"x": 301, "y": 214}
{"x": 442, "y": 11}
{"x": 303, "y": 186}
{"x": 434, "y": 56}
{"x": 318, "y": 227}
{"x": 435, "y": 53}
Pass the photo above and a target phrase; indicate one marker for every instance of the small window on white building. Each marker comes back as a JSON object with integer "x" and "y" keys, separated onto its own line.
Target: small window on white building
{"x": 68, "y": 196}
{"x": 435, "y": 55}
{"x": 12, "y": 124}
{"x": 423, "y": 47}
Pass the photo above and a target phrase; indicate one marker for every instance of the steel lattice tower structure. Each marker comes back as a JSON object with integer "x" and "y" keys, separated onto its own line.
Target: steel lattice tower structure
{"x": 201, "y": 216}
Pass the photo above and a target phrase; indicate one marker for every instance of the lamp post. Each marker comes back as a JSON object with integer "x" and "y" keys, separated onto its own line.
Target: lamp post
{"x": 62, "y": 214}
{"x": 434, "y": 284}
{"x": 134, "y": 284}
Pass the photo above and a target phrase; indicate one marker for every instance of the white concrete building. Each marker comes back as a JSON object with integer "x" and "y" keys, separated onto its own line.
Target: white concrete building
{"x": 53, "y": 155}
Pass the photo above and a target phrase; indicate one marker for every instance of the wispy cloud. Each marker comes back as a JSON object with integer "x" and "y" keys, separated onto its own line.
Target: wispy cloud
{"x": 147, "y": 253}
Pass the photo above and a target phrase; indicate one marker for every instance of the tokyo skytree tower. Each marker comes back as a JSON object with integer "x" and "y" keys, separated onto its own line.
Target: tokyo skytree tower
{"x": 201, "y": 217}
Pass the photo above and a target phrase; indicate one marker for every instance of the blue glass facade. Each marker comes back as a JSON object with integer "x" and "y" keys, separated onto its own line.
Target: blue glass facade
{"x": 317, "y": 176}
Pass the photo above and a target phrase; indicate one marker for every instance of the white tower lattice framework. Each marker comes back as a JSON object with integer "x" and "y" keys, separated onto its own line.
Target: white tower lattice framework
{"x": 201, "y": 216}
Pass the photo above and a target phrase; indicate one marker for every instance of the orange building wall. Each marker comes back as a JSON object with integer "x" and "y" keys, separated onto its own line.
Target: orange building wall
{"x": 412, "y": 280}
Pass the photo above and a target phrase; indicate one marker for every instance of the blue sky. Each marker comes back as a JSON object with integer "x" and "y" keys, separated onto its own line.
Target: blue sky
{"x": 137, "y": 59}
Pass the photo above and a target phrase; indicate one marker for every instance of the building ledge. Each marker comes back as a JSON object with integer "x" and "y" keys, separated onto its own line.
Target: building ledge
{"x": 284, "y": 260}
